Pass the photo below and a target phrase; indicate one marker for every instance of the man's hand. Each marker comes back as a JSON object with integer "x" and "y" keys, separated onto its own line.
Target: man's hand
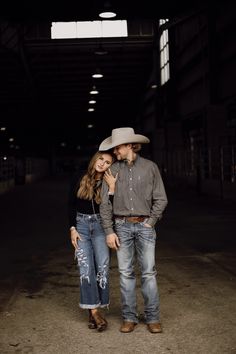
{"x": 113, "y": 241}
{"x": 147, "y": 225}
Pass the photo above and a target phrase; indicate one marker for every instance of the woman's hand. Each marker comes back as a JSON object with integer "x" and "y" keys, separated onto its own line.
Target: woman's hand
{"x": 74, "y": 235}
{"x": 110, "y": 180}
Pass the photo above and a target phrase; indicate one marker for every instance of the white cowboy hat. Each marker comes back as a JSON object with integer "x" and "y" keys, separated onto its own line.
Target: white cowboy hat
{"x": 121, "y": 136}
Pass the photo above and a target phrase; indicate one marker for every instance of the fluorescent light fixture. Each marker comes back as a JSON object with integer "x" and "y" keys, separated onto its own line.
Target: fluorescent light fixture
{"x": 91, "y": 109}
{"x": 89, "y": 29}
{"x": 92, "y": 102}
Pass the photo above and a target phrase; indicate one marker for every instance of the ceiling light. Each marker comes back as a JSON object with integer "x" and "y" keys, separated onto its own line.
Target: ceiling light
{"x": 100, "y": 50}
{"x": 107, "y": 11}
{"x": 92, "y": 102}
{"x": 94, "y": 91}
{"x": 97, "y": 74}
{"x": 107, "y": 14}
{"x": 91, "y": 109}
{"x": 154, "y": 86}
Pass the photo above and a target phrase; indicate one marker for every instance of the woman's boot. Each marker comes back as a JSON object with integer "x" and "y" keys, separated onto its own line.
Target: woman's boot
{"x": 92, "y": 323}
{"x": 101, "y": 323}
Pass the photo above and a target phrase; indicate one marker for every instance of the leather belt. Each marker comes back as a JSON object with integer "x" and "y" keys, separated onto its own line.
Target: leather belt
{"x": 133, "y": 219}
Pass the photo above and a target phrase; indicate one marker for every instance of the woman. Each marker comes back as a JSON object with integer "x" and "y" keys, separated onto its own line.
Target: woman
{"x": 88, "y": 237}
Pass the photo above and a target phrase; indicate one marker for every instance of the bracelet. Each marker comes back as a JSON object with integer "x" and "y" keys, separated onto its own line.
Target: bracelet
{"x": 72, "y": 228}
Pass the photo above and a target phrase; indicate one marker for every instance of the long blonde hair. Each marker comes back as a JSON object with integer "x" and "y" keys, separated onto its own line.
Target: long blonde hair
{"x": 90, "y": 187}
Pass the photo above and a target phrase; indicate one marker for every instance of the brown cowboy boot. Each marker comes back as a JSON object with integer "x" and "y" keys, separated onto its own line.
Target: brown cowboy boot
{"x": 101, "y": 323}
{"x": 92, "y": 323}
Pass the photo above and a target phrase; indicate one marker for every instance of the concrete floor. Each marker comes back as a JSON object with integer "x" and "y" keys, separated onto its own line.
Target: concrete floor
{"x": 39, "y": 290}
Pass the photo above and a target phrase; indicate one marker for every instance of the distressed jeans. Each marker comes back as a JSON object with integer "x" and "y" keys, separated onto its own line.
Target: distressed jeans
{"x": 93, "y": 262}
{"x": 137, "y": 240}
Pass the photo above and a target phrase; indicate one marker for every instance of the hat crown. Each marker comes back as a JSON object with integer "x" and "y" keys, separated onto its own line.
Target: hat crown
{"x": 122, "y": 132}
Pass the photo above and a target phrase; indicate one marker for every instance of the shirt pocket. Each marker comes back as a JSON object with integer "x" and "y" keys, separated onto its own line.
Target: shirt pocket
{"x": 144, "y": 186}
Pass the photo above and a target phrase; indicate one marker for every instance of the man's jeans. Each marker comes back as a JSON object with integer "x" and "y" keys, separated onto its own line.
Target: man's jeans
{"x": 93, "y": 262}
{"x": 140, "y": 240}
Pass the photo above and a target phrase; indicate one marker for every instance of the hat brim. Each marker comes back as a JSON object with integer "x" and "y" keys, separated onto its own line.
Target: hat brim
{"x": 108, "y": 144}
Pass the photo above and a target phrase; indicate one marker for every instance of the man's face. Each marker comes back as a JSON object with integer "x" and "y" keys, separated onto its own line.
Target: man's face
{"x": 121, "y": 151}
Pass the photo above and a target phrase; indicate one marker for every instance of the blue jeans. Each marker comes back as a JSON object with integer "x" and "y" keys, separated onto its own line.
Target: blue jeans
{"x": 137, "y": 239}
{"x": 93, "y": 262}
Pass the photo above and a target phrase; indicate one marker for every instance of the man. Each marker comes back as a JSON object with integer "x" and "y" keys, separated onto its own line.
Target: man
{"x": 138, "y": 203}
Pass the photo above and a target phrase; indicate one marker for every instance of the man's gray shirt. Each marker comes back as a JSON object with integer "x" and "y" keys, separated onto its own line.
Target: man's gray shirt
{"x": 139, "y": 191}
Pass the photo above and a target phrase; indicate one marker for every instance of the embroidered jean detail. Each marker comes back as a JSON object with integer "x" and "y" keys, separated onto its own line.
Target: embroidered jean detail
{"x": 83, "y": 265}
{"x": 102, "y": 277}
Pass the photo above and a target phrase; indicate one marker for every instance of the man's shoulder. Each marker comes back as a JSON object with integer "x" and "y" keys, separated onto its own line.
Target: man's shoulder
{"x": 147, "y": 161}
{"x": 149, "y": 165}
{"x": 115, "y": 166}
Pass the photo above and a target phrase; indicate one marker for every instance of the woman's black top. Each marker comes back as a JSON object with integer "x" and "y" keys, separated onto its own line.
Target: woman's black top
{"x": 76, "y": 204}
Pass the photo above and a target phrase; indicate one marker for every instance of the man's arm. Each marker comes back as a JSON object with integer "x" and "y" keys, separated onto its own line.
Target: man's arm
{"x": 159, "y": 197}
{"x": 106, "y": 212}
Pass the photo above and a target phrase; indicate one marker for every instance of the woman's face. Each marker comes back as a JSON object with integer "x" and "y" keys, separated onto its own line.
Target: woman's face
{"x": 103, "y": 163}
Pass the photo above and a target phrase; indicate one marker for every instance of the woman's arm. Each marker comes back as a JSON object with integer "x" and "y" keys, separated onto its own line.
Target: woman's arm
{"x": 72, "y": 198}
{"x": 74, "y": 235}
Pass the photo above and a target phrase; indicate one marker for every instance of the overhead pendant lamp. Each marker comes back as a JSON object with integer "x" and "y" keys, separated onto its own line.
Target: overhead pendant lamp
{"x": 154, "y": 86}
{"x": 100, "y": 50}
{"x": 97, "y": 74}
{"x": 94, "y": 91}
{"x": 107, "y": 11}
